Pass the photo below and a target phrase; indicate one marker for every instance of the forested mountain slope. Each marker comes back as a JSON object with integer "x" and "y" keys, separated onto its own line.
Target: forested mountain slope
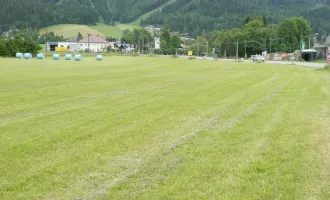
{"x": 193, "y": 16}
{"x": 41, "y": 13}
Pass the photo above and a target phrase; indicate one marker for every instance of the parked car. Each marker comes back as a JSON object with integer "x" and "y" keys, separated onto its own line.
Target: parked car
{"x": 203, "y": 54}
{"x": 258, "y": 58}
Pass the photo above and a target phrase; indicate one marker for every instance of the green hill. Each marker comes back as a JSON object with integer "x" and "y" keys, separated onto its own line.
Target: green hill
{"x": 71, "y": 30}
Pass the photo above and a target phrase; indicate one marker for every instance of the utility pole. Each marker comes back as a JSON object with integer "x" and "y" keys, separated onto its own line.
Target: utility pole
{"x": 309, "y": 40}
{"x": 271, "y": 40}
{"x": 301, "y": 35}
{"x": 237, "y": 49}
{"x": 220, "y": 50}
{"x": 184, "y": 46}
{"x": 246, "y": 43}
{"x": 88, "y": 41}
{"x": 207, "y": 50}
{"x": 225, "y": 52}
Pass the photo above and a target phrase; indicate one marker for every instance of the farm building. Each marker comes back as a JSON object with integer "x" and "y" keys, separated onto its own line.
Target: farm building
{"x": 62, "y": 46}
{"x": 94, "y": 43}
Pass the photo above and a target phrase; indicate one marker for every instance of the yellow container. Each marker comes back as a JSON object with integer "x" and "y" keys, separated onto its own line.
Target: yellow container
{"x": 61, "y": 49}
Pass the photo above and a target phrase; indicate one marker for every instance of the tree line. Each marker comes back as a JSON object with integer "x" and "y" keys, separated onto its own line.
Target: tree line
{"x": 256, "y": 36}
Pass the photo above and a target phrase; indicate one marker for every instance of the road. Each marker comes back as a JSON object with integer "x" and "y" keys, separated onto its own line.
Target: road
{"x": 303, "y": 64}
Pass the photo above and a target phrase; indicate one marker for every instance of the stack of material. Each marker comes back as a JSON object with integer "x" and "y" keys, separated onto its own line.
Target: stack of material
{"x": 19, "y": 55}
{"x": 78, "y": 57}
{"x": 99, "y": 57}
{"x": 40, "y": 56}
{"x": 68, "y": 56}
{"x": 56, "y": 56}
{"x": 27, "y": 56}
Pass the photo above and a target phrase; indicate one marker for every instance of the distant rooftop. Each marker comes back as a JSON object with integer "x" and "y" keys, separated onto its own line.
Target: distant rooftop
{"x": 93, "y": 39}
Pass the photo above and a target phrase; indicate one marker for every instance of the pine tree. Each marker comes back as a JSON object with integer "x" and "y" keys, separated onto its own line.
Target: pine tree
{"x": 79, "y": 37}
{"x": 3, "y": 49}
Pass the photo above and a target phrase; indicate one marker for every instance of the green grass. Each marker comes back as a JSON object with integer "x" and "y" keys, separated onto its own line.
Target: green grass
{"x": 163, "y": 128}
{"x": 72, "y": 30}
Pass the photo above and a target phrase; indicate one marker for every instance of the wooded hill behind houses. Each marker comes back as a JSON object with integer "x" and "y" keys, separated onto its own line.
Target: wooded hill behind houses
{"x": 42, "y": 13}
{"x": 187, "y": 16}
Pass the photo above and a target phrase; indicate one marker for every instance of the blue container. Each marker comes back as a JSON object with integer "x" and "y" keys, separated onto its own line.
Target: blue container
{"x": 19, "y": 55}
{"x": 27, "y": 56}
{"x": 56, "y": 56}
{"x": 68, "y": 56}
{"x": 78, "y": 58}
{"x": 99, "y": 57}
{"x": 40, "y": 56}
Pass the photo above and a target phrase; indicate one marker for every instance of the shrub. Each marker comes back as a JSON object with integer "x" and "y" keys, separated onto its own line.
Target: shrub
{"x": 9, "y": 47}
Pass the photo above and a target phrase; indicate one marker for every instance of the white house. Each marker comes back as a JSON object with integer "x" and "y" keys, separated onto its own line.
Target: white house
{"x": 157, "y": 42}
{"x": 94, "y": 43}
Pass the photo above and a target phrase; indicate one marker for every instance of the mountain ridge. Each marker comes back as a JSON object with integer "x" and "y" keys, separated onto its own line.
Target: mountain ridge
{"x": 192, "y": 16}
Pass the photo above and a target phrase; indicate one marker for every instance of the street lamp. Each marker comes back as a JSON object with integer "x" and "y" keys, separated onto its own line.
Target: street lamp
{"x": 271, "y": 40}
{"x": 309, "y": 42}
{"x": 246, "y": 43}
{"x": 88, "y": 41}
{"x": 236, "y": 47}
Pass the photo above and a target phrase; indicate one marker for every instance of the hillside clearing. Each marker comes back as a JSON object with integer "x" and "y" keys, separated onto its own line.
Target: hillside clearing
{"x": 163, "y": 128}
{"x": 145, "y": 15}
{"x": 72, "y": 30}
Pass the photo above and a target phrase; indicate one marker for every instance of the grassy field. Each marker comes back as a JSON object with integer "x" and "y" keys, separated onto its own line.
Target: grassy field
{"x": 163, "y": 128}
{"x": 72, "y": 30}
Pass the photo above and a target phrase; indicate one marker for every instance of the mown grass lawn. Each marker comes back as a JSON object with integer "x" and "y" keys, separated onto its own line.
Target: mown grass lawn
{"x": 163, "y": 128}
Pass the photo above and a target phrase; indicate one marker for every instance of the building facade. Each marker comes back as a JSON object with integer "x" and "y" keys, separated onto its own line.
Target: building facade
{"x": 93, "y": 44}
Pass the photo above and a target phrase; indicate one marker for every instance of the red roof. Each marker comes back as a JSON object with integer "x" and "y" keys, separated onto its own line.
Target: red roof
{"x": 93, "y": 39}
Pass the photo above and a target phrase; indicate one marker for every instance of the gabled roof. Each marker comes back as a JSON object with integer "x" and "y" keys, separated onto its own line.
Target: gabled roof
{"x": 93, "y": 39}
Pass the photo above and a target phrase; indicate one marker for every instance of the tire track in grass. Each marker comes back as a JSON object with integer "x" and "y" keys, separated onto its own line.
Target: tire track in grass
{"x": 21, "y": 116}
{"x": 169, "y": 159}
{"x": 209, "y": 124}
{"x": 35, "y": 169}
{"x": 91, "y": 105}
{"x": 321, "y": 140}
{"x": 132, "y": 163}
{"x": 88, "y": 105}
{"x": 215, "y": 122}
